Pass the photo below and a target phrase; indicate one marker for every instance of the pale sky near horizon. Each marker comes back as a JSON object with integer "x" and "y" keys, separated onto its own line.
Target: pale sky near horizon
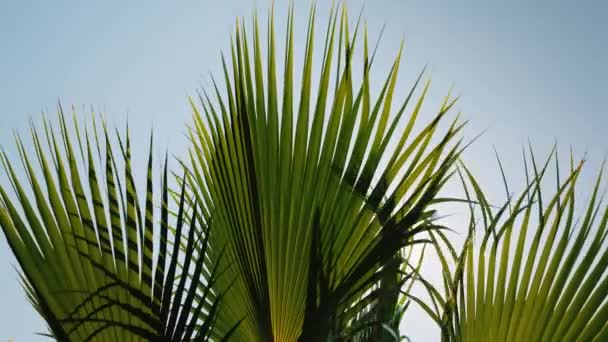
{"x": 525, "y": 69}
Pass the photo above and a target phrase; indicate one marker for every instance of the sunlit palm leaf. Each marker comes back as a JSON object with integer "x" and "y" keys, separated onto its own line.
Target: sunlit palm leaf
{"x": 86, "y": 250}
{"x": 536, "y": 274}
{"x": 312, "y": 201}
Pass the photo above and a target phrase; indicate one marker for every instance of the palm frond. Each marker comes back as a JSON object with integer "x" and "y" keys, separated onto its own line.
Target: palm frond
{"x": 86, "y": 246}
{"x": 531, "y": 272}
{"x": 314, "y": 199}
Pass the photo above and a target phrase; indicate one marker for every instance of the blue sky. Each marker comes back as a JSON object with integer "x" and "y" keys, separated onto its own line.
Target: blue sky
{"x": 525, "y": 71}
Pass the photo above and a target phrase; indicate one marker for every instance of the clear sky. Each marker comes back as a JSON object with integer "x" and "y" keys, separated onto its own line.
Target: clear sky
{"x": 525, "y": 69}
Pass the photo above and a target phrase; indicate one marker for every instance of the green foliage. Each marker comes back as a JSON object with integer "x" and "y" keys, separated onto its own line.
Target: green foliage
{"x": 313, "y": 203}
{"x": 296, "y": 218}
{"x": 86, "y": 248}
{"x": 538, "y": 274}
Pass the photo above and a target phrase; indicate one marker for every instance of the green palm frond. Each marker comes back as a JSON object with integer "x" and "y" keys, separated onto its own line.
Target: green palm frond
{"x": 312, "y": 202}
{"x": 534, "y": 272}
{"x": 87, "y": 248}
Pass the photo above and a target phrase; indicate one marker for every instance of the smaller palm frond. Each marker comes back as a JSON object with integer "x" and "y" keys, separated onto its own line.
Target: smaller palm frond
{"x": 96, "y": 263}
{"x": 533, "y": 273}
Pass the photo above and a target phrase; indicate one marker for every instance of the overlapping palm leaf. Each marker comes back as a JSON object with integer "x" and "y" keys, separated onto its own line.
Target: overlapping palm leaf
{"x": 536, "y": 271}
{"x": 96, "y": 264}
{"x": 313, "y": 203}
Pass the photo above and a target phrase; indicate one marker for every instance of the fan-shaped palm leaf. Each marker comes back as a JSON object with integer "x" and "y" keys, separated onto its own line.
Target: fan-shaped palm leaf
{"x": 87, "y": 256}
{"x": 538, "y": 274}
{"x": 312, "y": 201}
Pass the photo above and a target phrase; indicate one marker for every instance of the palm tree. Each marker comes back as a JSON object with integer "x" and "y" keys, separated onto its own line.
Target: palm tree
{"x": 535, "y": 273}
{"x": 318, "y": 200}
